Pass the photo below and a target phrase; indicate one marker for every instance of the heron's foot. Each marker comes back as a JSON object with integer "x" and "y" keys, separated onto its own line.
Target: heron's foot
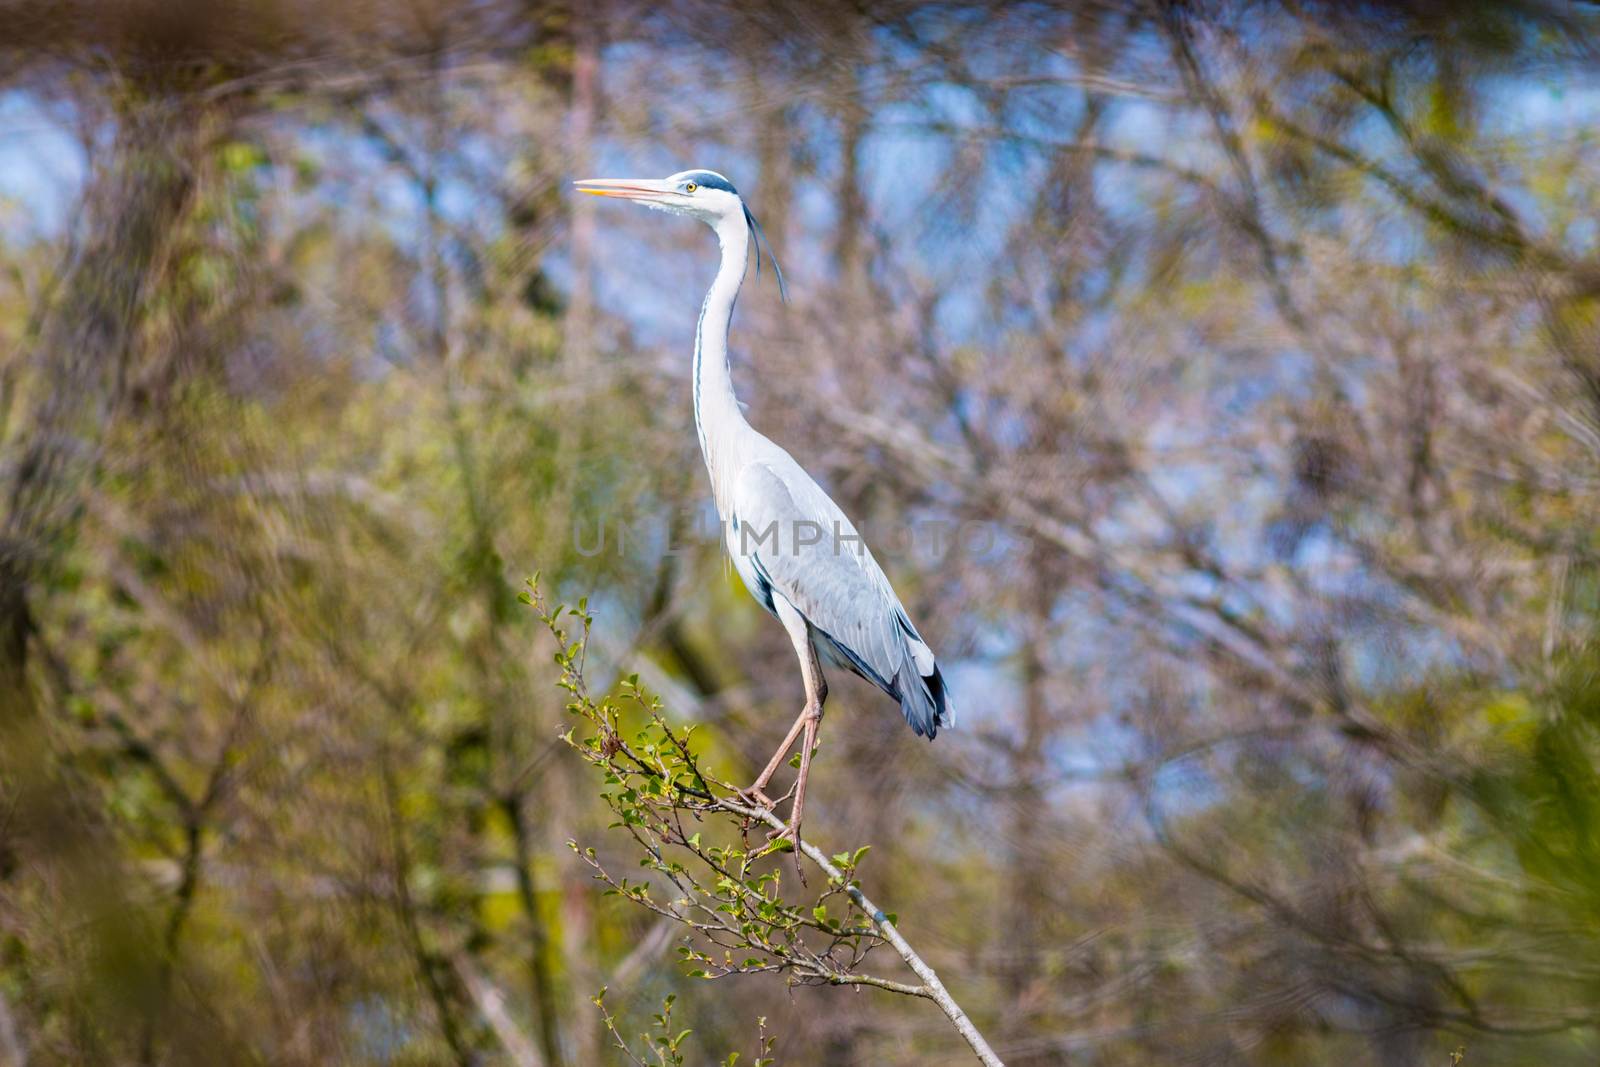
{"x": 756, "y": 795}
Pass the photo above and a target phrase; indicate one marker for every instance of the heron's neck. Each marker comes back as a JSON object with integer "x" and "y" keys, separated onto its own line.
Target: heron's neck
{"x": 716, "y": 410}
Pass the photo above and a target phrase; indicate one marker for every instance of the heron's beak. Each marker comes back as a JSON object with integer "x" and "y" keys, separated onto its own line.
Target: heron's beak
{"x": 650, "y": 190}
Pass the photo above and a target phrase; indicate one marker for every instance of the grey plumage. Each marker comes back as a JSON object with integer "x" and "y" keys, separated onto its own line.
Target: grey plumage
{"x": 789, "y": 539}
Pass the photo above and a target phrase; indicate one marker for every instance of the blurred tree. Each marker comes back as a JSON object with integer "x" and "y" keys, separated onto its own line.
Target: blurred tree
{"x": 1218, "y": 379}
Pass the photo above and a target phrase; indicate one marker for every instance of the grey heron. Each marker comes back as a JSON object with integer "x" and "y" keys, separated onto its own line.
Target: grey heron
{"x": 796, "y": 550}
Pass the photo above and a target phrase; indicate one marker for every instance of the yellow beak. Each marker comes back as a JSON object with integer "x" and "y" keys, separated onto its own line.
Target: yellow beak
{"x": 627, "y": 188}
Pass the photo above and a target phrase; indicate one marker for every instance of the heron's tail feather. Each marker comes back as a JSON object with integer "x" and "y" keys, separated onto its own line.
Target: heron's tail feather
{"x": 917, "y": 684}
{"x": 924, "y": 700}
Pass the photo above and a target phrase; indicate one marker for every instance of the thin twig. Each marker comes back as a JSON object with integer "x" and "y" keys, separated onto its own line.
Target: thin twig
{"x": 932, "y": 987}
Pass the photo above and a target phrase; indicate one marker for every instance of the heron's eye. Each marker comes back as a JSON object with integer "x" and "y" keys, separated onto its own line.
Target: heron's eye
{"x": 690, "y": 187}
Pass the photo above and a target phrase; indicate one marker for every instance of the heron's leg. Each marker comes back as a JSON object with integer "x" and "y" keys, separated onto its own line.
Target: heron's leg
{"x": 811, "y": 672}
{"x": 813, "y": 721}
{"x": 810, "y": 717}
{"x": 757, "y": 789}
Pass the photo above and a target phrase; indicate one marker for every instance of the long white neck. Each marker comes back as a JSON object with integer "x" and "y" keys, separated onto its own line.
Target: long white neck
{"x": 716, "y": 412}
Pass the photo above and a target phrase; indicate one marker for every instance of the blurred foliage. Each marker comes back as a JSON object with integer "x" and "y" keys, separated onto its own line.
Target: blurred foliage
{"x": 1218, "y": 382}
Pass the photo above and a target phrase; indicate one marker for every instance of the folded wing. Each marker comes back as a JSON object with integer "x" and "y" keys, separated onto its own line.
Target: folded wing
{"x": 799, "y": 545}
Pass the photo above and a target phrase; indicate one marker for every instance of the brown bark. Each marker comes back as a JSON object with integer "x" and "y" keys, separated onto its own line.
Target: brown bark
{"x": 77, "y": 381}
{"x": 81, "y": 367}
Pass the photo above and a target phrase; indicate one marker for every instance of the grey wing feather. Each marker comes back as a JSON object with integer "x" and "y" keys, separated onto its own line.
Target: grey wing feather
{"x": 855, "y": 616}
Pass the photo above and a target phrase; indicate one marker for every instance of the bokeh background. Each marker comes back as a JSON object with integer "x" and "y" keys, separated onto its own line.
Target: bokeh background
{"x": 1252, "y": 347}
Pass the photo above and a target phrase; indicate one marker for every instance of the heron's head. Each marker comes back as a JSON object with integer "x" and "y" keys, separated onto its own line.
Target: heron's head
{"x": 701, "y": 194}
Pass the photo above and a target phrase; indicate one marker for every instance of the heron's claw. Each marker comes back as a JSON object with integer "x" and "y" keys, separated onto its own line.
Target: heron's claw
{"x": 789, "y": 836}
